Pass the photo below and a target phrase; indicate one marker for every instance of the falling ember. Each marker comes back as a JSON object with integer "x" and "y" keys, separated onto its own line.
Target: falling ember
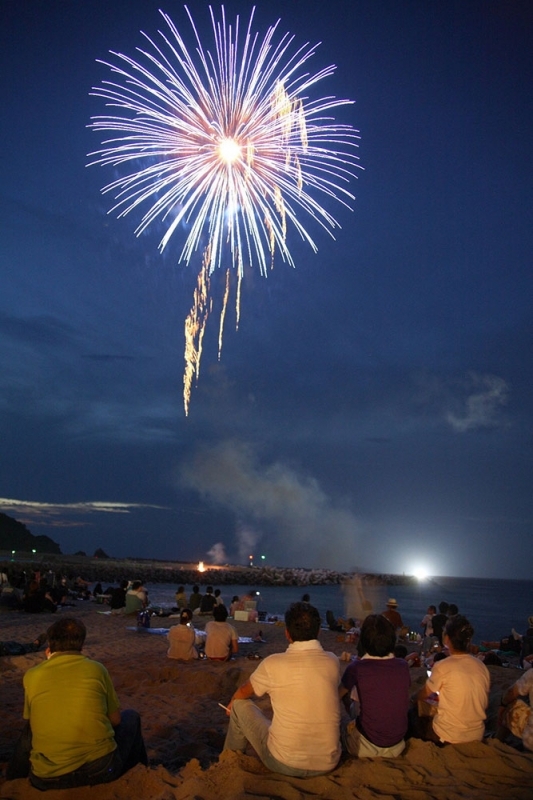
{"x": 238, "y": 302}
{"x": 223, "y": 315}
{"x": 228, "y": 148}
{"x": 194, "y": 332}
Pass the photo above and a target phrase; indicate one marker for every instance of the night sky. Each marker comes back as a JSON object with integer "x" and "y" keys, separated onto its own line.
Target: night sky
{"x": 374, "y": 409}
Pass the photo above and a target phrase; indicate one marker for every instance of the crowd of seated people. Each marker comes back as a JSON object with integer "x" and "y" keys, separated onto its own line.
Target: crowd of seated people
{"x": 374, "y": 691}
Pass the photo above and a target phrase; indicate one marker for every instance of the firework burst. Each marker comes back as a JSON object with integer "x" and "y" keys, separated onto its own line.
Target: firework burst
{"x": 227, "y": 147}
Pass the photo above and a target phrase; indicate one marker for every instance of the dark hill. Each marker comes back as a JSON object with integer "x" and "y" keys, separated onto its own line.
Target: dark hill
{"x": 15, "y": 536}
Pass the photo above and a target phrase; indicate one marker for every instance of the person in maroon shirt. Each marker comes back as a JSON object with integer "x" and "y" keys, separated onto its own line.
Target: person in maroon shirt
{"x": 375, "y": 690}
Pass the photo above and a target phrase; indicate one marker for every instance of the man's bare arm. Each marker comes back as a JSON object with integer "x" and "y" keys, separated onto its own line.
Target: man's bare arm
{"x": 244, "y": 692}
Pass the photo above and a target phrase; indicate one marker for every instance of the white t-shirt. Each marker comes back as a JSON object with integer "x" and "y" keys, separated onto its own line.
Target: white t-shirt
{"x": 463, "y": 684}
{"x": 303, "y": 687}
{"x": 219, "y": 636}
{"x": 428, "y": 625}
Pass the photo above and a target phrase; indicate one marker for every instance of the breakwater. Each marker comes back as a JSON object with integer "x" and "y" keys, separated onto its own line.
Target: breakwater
{"x": 110, "y": 571}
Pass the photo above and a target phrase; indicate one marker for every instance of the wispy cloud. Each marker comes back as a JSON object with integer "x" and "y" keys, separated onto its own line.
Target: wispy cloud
{"x": 484, "y": 397}
{"x": 65, "y": 514}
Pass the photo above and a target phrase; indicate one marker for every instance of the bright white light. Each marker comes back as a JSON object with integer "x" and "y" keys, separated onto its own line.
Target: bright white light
{"x": 420, "y": 573}
{"x": 229, "y": 150}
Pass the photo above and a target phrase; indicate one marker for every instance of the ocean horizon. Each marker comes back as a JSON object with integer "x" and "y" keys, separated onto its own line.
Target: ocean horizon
{"x": 492, "y": 605}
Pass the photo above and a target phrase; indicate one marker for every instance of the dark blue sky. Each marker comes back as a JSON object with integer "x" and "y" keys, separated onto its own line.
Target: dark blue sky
{"x": 374, "y": 409}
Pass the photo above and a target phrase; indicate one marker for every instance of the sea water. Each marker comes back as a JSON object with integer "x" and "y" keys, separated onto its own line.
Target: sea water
{"x": 493, "y": 606}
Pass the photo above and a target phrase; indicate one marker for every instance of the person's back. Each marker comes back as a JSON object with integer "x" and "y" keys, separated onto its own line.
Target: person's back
{"x": 60, "y": 693}
{"x": 117, "y": 600}
{"x": 181, "y": 598}
{"x": 303, "y": 737}
{"x": 208, "y": 601}
{"x": 303, "y": 688}
{"x": 427, "y": 621}
{"x": 135, "y": 599}
{"x": 439, "y": 621}
{"x": 221, "y": 639}
{"x": 76, "y": 734}
{"x": 462, "y": 683}
{"x": 36, "y": 600}
{"x": 383, "y": 688}
{"x": 392, "y": 614}
{"x": 10, "y": 598}
{"x": 381, "y": 685}
{"x": 195, "y": 599}
{"x": 181, "y": 638}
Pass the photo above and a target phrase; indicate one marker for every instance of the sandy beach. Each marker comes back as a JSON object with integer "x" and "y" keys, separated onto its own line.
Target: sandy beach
{"x": 184, "y": 728}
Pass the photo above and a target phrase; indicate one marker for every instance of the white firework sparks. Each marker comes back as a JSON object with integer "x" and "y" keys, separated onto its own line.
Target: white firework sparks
{"x": 227, "y": 144}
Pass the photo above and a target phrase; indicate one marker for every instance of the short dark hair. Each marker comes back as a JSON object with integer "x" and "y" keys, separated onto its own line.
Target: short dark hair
{"x": 434, "y": 609}
{"x": 196, "y": 589}
{"x": 400, "y": 651}
{"x": 185, "y": 616}
{"x": 67, "y": 633}
{"x": 220, "y": 613}
{"x": 460, "y": 632}
{"x": 453, "y": 610}
{"x": 181, "y": 589}
{"x": 136, "y": 585}
{"x": 378, "y": 636}
{"x": 302, "y": 621}
{"x": 443, "y": 607}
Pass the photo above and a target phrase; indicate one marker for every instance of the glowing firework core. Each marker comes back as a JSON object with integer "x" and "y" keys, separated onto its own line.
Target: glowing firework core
{"x": 229, "y": 150}
{"x": 227, "y": 147}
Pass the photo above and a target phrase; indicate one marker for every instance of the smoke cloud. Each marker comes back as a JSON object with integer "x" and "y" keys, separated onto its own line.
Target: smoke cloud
{"x": 287, "y": 514}
{"x": 217, "y": 554}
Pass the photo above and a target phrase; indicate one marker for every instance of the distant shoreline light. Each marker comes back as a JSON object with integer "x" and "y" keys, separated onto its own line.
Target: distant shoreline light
{"x": 421, "y": 573}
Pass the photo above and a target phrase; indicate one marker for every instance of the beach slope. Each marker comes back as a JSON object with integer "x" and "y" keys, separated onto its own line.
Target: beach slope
{"x": 184, "y": 728}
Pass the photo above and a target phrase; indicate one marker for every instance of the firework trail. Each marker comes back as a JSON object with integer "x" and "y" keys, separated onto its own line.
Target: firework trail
{"x": 226, "y": 147}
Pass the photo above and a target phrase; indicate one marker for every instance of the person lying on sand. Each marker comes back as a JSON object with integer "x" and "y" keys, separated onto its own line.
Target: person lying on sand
{"x": 303, "y": 738}
{"x": 12, "y": 648}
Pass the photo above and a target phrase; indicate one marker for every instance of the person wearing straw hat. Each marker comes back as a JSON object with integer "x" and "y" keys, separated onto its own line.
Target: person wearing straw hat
{"x": 392, "y": 614}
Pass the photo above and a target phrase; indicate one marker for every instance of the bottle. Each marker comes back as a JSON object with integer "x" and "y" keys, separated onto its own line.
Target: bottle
{"x": 143, "y": 619}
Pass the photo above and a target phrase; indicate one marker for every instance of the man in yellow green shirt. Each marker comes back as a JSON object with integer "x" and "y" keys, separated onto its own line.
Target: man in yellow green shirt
{"x": 76, "y": 734}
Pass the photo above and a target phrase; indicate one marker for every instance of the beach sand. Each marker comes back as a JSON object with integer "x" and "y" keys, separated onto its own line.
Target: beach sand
{"x": 184, "y": 728}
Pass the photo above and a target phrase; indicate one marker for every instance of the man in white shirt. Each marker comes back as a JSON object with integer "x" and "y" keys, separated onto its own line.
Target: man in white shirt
{"x": 302, "y": 739}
